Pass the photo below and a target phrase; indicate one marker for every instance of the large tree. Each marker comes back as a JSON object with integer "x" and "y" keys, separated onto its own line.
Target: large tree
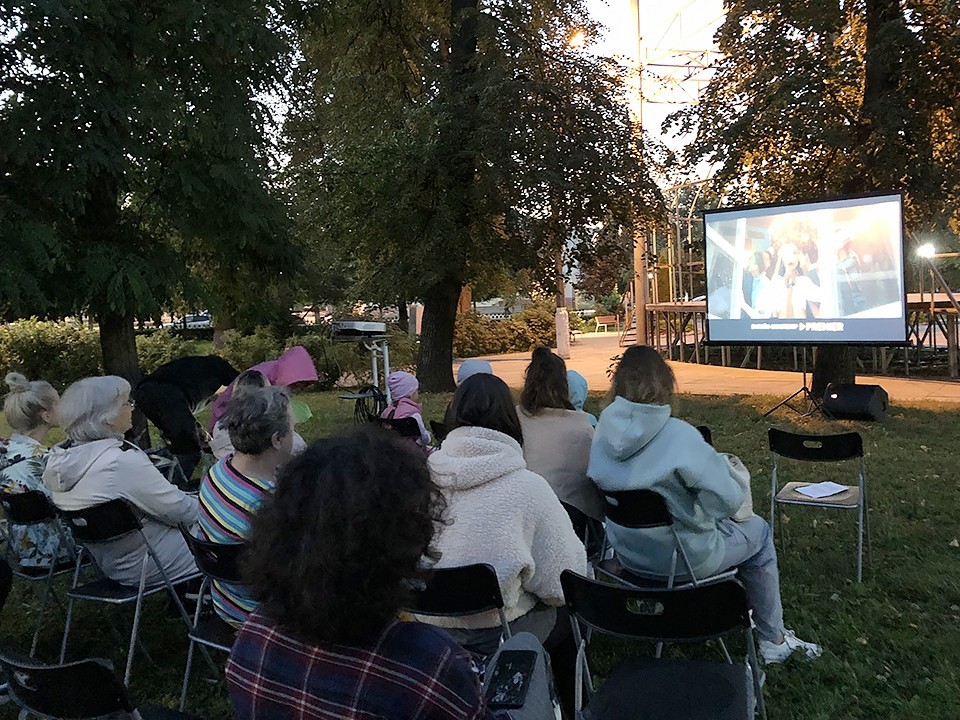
{"x": 813, "y": 100}
{"x": 436, "y": 142}
{"x": 132, "y": 146}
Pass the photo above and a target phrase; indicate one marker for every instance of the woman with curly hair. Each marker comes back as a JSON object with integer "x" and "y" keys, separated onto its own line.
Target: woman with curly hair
{"x": 334, "y": 555}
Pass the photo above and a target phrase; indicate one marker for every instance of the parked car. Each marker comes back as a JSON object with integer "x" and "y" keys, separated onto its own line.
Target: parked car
{"x": 191, "y": 321}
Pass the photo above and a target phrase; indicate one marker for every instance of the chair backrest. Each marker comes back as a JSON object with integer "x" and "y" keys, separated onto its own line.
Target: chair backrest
{"x": 691, "y": 614}
{"x": 636, "y": 509}
{"x": 220, "y": 561}
{"x": 102, "y": 523}
{"x": 439, "y": 430}
{"x": 706, "y": 433}
{"x": 816, "y": 448}
{"x": 27, "y": 508}
{"x": 458, "y": 591}
{"x": 84, "y": 689}
{"x": 404, "y": 427}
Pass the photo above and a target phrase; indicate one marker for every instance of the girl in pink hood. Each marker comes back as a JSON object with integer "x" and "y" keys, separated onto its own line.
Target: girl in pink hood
{"x": 404, "y": 389}
{"x": 294, "y": 366}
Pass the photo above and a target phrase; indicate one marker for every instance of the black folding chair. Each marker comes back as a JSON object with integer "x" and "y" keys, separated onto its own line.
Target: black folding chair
{"x": 217, "y": 561}
{"x": 81, "y": 690}
{"x": 462, "y": 591}
{"x": 821, "y": 449}
{"x": 644, "y": 688}
{"x": 646, "y": 509}
{"x": 404, "y": 427}
{"x": 102, "y": 524}
{"x": 29, "y": 509}
{"x": 439, "y": 430}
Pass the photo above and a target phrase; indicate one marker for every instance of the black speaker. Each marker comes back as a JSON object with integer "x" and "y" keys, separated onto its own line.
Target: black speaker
{"x": 855, "y": 402}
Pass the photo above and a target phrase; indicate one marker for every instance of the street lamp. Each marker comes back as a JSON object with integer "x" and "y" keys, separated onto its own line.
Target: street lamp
{"x": 927, "y": 250}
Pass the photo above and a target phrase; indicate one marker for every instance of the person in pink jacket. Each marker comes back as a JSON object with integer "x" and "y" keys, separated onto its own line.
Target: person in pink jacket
{"x": 404, "y": 389}
{"x": 294, "y": 366}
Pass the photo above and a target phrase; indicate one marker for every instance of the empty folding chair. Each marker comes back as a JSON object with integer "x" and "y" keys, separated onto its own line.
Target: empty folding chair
{"x": 104, "y": 523}
{"x": 29, "y": 509}
{"x": 217, "y": 561}
{"x": 821, "y": 449}
{"x": 646, "y": 509}
{"x": 645, "y": 688}
{"x": 81, "y": 690}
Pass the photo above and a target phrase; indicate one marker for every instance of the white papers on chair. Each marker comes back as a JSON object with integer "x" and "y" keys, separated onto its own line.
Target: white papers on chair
{"x": 821, "y": 489}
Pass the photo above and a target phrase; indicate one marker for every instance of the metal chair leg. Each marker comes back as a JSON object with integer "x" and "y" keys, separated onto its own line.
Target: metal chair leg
{"x": 136, "y": 623}
{"x": 196, "y": 620}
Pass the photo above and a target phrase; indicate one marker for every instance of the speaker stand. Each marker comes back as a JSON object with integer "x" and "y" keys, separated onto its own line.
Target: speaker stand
{"x": 803, "y": 402}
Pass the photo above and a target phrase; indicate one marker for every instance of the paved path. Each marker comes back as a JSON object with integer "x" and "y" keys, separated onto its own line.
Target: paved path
{"x": 591, "y": 356}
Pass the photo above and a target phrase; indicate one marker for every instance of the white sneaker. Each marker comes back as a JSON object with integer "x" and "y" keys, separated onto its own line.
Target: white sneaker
{"x": 772, "y": 653}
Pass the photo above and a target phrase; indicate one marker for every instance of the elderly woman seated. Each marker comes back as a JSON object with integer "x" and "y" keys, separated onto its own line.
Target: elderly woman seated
{"x": 96, "y": 465}
{"x": 260, "y": 425}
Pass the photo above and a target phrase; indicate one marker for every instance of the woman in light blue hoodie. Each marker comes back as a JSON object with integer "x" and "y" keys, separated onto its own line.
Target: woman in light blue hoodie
{"x": 638, "y": 445}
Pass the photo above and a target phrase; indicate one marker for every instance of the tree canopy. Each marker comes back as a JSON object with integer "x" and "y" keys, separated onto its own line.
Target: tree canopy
{"x": 132, "y": 142}
{"x": 434, "y": 142}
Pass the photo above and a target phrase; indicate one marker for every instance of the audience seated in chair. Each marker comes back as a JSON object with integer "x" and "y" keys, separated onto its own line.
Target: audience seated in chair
{"x": 334, "y": 554}
{"x": 29, "y": 410}
{"x": 404, "y": 391}
{"x": 248, "y": 381}
{"x": 95, "y": 464}
{"x": 171, "y": 394}
{"x": 638, "y": 445}
{"x": 556, "y": 438}
{"x": 578, "y": 393}
{"x": 260, "y": 425}
{"x": 503, "y": 514}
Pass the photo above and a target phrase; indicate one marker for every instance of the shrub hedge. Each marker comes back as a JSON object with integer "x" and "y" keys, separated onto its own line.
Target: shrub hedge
{"x": 477, "y": 334}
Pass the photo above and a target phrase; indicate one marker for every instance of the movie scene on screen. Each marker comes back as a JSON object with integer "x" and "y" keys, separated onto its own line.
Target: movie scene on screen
{"x": 809, "y": 273}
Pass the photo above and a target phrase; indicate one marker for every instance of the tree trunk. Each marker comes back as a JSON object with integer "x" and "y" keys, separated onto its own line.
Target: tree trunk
{"x": 834, "y": 364}
{"x": 118, "y": 344}
{"x": 435, "y": 361}
{"x": 223, "y": 321}
{"x": 403, "y": 316}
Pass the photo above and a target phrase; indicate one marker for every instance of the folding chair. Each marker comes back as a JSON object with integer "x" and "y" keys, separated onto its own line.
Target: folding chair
{"x": 77, "y": 690}
{"x": 821, "y": 449}
{"x": 30, "y": 509}
{"x": 644, "y": 688}
{"x": 646, "y": 509}
{"x": 404, "y": 427}
{"x": 461, "y": 591}
{"x": 217, "y": 561}
{"x": 104, "y": 523}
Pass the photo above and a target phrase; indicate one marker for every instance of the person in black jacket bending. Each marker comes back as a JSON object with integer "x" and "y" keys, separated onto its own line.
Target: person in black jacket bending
{"x": 171, "y": 394}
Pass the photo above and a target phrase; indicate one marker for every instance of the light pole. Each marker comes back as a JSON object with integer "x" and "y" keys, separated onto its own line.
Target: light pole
{"x": 640, "y": 282}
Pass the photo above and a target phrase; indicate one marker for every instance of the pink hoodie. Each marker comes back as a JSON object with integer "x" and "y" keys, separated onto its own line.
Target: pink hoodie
{"x": 294, "y": 366}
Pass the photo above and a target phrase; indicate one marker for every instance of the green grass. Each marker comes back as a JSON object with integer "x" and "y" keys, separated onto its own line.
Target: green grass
{"x": 891, "y": 645}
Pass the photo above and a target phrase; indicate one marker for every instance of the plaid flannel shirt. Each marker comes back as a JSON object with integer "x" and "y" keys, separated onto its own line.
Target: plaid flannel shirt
{"x": 412, "y": 671}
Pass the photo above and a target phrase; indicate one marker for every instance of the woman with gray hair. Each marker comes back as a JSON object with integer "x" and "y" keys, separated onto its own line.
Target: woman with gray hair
{"x": 260, "y": 425}
{"x": 95, "y": 465}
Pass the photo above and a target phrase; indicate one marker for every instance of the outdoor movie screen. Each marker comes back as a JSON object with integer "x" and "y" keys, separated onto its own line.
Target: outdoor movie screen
{"x": 813, "y": 273}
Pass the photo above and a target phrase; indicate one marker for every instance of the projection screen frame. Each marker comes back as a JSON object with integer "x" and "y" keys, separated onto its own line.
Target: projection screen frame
{"x": 905, "y": 342}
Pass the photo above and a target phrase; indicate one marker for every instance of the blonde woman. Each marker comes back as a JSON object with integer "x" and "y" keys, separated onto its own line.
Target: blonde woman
{"x": 96, "y": 465}
{"x": 29, "y": 411}
{"x": 639, "y": 446}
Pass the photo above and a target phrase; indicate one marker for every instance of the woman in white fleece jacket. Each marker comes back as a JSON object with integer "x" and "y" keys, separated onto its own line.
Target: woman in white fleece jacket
{"x": 500, "y": 513}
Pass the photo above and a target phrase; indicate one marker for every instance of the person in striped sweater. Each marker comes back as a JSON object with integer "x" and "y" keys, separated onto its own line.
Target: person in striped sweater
{"x": 260, "y": 425}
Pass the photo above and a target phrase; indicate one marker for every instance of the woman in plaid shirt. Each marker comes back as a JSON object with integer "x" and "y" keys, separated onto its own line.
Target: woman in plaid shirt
{"x": 334, "y": 554}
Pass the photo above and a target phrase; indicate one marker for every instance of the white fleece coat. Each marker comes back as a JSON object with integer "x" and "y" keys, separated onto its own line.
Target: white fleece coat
{"x": 500, "y": 513}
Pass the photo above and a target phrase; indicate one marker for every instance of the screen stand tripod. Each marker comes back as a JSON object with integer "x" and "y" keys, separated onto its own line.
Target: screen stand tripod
{"x": 803, "y": 402}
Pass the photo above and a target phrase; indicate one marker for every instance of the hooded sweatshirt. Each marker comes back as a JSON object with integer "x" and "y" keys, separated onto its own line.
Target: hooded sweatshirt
{"x": 577, "y": 384}
{"x": 81, "y": 475}
{"x": 500, "y": 513}
{"x": 639, "y": 446}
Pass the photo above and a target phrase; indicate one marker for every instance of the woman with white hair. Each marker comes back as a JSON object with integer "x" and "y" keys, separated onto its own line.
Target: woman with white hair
{"x": 96, "y": 465}
{"x": 29, "y": 411}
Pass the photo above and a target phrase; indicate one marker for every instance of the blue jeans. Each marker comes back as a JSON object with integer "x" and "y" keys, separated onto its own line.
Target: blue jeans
{"x": 749, "y": 548}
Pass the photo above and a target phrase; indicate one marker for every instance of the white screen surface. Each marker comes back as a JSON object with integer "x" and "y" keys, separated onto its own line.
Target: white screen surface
{"x": 826, "y": 272}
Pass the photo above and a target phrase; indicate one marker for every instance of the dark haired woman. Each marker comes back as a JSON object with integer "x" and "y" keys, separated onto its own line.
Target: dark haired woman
{"x": 501, "y": 513}
{"x": 638, "y": 445}
{"x": 556, "y": 437}
{"x": 334, "y": 553}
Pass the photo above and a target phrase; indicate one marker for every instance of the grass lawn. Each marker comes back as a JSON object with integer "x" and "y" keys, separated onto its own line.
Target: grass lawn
{"x": 891, "y": 644}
